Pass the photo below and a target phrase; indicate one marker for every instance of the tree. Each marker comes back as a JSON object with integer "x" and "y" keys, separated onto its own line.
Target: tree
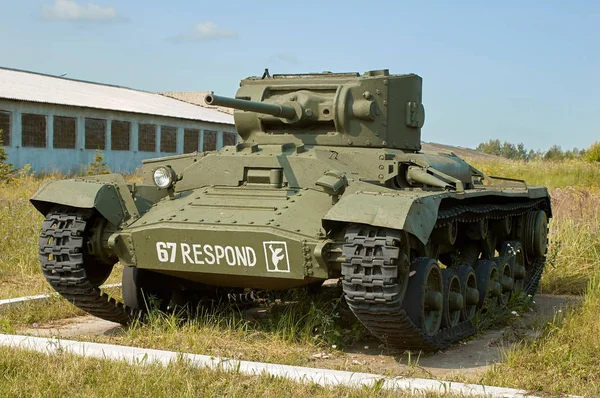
{"x": 5, "y": 167}
{"x": 555, "y": 153}
{"x": 492, "y": 147}
{"x": 592, "y": 154}
{"x": 97, "y": 166}
{"x": 506, "y": 149}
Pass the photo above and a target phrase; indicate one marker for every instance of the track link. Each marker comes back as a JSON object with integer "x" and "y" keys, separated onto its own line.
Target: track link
{"x": 62, "y": 258}
{"x": 369, "y": 280}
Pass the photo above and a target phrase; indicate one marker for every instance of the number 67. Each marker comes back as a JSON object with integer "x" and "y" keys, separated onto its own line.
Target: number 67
{"x": 163, "y": 253}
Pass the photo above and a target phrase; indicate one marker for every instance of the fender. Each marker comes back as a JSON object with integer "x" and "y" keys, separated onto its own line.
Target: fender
{"x": 415, "y": 214}
{"x": 108, "y": 194}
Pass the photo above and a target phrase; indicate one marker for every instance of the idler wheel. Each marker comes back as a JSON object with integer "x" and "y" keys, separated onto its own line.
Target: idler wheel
{"x": 468, "y": 283}
{"x": 534, "y": 235}
{"x": 539, "y": 238}
{"x": 424, "y": 300}
{"x": 141, "y": 290}
{"x": 453, "y": 298}
{"x": 488, "y": 282}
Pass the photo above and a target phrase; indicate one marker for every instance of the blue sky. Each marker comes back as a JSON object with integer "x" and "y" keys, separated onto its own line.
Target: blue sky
{"x": 521, "y": 71}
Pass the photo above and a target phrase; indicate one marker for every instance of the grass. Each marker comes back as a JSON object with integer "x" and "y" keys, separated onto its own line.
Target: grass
{"x": 567, "y": 173}
{"x": 19, "y": 230}
{"x": 293, "y": 333}
{"x": 70, "y": 376}
{"x": 274, "y": 332}
{"x": 564, "y": 360}
{"x": 574, "y": 250}
{"x": 36, "y": 312}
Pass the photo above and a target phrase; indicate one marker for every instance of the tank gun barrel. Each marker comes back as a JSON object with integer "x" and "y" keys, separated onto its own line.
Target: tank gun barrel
{"x": 283, "y": 111}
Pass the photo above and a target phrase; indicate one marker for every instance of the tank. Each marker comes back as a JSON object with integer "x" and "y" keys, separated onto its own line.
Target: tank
{"x": 328, "y": 182}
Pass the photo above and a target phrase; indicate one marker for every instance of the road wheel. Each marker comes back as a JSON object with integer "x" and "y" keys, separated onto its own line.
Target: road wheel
{"x": 141, "y": 290}
{"x": 424, "y": 302}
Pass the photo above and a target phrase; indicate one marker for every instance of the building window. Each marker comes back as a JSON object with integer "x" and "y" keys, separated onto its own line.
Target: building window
{"x": 168, "y": 139}
{"x": 120, "y": 133}
{"x": 191, "y": 140}
{"x": 33, "y": 128}
{"x": 210, "y": 140}
{"x": 5, "y": 127}
{"x": 147, "y": 138}
{"x": 228, "y": 139}
{"x": 65, "y": 132}
{"x": 95, "y": 134}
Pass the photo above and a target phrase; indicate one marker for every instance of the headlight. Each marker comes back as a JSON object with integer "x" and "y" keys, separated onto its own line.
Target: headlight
{"x": 164, "y": 177}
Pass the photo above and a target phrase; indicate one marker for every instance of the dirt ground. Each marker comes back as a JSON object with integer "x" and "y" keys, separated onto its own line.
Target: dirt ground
{"x": 468, "y": 359}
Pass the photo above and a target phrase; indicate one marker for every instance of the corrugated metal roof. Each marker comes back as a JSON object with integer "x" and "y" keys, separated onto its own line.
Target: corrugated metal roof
{"x": 35, "y": 87}
{"x": 196, "y": 98}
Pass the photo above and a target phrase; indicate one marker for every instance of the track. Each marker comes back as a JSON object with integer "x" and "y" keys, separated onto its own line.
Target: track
{"x": 61, "y": 255}
{"x": 374, "y": 296}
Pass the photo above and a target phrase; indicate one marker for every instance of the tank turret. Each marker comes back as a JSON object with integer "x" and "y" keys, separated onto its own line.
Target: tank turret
{"x": 375, "y": 109}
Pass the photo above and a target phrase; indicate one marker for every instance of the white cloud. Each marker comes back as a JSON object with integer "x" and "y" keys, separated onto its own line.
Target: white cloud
{"x": 205, "y": 31}
{"x": 69, "y": 10}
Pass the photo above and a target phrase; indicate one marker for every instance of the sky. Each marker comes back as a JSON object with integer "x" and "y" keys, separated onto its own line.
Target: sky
{"x": 519, "y": 71}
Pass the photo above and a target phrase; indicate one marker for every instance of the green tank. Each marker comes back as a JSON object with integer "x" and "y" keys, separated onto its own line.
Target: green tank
{"x": 329, "y": 182}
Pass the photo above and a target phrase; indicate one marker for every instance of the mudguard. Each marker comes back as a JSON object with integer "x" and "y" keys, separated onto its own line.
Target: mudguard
{"x": 416, "y": 214}
{"x": 108, "y": 194}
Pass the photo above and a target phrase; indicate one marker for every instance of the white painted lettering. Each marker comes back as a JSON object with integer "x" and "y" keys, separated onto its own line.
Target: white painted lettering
{"x": 163, "y": 254}
{"x": 219, "y": 253}
{"x": 208, "y": 251}
{"x": 197, "y": 254}
{"x": 230, "y": 255}
{"x": 185, "y": 253}
{"x": 241, "y": 257}
{"x": 206, "y": 254}
{"x": 251, "y": 255}
{"x": 173, "y": 247}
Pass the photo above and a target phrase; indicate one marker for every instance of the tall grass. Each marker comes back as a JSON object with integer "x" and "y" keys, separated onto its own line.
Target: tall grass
{"x": 19, "y": 231}
{"x": 574, "y": 249}
{"x": 567, "y": 173}
{"x": 285, "y": 330}
{"x": 564, "y": 360}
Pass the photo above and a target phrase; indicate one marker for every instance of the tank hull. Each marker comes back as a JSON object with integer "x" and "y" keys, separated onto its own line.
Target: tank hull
{"x": 232, "y": 236}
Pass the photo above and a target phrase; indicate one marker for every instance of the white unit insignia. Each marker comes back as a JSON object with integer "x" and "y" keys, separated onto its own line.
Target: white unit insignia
{"x": 276, "y": 256}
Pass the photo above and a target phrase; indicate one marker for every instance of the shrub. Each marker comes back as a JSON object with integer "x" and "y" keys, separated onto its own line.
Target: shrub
{"x": 592, "y": 154}
{"x": 5, "y": 168}
{"x": 97, "y": 166}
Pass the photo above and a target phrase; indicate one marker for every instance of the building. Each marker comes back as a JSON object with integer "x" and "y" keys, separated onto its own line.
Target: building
{"x": 58, "y": 124}
{"x": 196, "y": 98}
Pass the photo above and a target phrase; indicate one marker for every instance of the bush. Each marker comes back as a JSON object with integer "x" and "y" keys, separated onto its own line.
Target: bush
{"x": 5, "y": 168}
{"x": 97, "y": 166}
{"x": 592, "y": 154}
